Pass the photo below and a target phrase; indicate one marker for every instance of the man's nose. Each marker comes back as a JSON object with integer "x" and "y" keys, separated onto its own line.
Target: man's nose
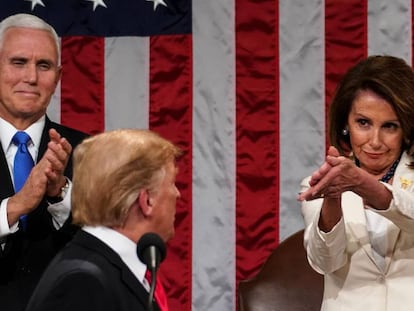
{"x": 30, "y": 74}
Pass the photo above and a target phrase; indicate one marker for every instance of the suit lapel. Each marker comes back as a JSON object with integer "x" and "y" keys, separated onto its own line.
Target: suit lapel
{"x": 6, "y": 189}
{"x": 128, "y": 278}
{"x": 392, "y": 235}
{"x": 44, "y": 139}
{"x": 354, "y": 215}
{"x": 404, "y": 179}
{"x": 357, "y": 225}
{"x": 134, "y": 285}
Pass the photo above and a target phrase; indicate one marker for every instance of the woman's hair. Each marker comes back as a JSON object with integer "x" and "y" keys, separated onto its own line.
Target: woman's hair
{"x": 27, "y": 21}
{"x": 387, "y": 76}
{"x": 111, "y": 168}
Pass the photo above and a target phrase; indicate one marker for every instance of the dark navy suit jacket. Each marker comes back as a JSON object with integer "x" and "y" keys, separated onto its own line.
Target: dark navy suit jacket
{"x": 88, "y": 275}
{"x": 26, "y": 255}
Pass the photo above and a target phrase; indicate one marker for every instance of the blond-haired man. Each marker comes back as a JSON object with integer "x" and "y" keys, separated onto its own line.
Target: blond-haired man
{"x": 123, "y": 187}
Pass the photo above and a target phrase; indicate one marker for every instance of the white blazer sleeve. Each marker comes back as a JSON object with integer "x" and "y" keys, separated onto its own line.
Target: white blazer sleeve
{"x": 325, "y": 251}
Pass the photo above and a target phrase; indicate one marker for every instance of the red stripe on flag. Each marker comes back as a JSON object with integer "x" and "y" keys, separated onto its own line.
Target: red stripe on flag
{"x": 171, "y": 117}
{"x": 257, "y": 121}
{"x": 345, "y": 40}
{"x": 82, "y": 84}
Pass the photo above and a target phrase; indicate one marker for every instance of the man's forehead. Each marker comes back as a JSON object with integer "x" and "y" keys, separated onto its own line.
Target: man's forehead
{"x": 17, "y": 42}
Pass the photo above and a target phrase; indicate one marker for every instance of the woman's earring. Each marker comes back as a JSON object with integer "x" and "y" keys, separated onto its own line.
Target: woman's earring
{"x": 345, "y": 131}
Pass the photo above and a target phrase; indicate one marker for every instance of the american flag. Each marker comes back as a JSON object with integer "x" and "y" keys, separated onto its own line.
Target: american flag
{"x": 242, "y": 86}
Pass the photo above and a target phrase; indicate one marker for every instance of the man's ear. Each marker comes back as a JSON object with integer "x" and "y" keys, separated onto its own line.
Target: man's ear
{"x": 145, "y": 202}
{"x": 59, "y": 75}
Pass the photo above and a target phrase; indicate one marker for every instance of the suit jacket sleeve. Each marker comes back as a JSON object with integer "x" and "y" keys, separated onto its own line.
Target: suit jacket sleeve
{"x": 401, "y": 209}
{"x": 325, "y": 251}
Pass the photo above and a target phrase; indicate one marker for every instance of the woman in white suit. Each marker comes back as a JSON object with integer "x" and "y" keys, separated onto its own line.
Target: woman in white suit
{"x": 358, "y": 206}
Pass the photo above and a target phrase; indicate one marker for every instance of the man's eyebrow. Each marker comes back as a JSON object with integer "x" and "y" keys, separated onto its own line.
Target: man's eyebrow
{"x": 17, "y": 58}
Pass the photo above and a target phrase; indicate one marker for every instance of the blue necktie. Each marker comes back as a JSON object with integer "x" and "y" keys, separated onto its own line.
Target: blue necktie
{"x": 23, "y": 164}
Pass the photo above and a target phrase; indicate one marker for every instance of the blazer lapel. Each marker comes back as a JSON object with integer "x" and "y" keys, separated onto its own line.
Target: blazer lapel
{"x": 356, "y": 221}
{"x": 404, "y": 179}
{"x": 392, "y": 235}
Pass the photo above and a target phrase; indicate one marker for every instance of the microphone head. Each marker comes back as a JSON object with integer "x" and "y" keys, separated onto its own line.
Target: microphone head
{"x": 151, "y": 244}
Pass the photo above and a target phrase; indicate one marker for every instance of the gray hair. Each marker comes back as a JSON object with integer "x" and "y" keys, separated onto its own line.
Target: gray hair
{"x": 28, "y": 21}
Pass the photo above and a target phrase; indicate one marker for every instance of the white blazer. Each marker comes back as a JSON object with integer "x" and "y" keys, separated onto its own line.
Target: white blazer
{"x": 353, "y": 278}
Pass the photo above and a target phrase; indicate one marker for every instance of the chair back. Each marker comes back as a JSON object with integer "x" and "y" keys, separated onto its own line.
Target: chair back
{"x": 285, "y": 282}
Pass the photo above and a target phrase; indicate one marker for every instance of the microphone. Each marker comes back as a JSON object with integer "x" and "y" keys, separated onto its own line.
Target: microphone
{"x": 151, "y": 250}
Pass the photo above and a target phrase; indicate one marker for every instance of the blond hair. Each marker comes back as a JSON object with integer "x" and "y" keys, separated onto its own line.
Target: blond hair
{"x": 111, "y": 168}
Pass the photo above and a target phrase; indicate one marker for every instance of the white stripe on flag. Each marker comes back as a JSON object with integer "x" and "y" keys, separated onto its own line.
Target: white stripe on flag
{"x": 214, "y": 156}
{"x": 302, "y": 113}
{"x": 126, "y": 82}
{"x": 389, "y": 28}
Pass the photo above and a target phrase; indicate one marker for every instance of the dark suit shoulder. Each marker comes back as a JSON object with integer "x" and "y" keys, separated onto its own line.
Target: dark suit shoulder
{"x": 74, "y": 136}
{"x": 73, "y": 285}
{"x": 95, "y": 270}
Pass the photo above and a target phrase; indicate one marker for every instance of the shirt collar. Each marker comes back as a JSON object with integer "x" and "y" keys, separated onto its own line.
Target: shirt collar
{"x": 7, "y": 131}
{"x": 123, "y": 246}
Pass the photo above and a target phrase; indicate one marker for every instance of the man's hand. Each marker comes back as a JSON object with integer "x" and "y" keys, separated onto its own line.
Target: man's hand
{"x": 57, "y": 155}
{"x": 30, "y": 195}
{"x": 46, "y": 178}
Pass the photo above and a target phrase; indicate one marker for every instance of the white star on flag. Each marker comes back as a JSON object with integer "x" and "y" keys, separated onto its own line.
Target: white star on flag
{"x": 157, "y": 2}
{"x": 34, "y": 2}
{"x": 97, "y": 3}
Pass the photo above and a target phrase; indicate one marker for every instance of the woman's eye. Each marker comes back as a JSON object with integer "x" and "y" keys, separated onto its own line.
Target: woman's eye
{"x": 362, "y": 122}
{"x": 391, "y": 126}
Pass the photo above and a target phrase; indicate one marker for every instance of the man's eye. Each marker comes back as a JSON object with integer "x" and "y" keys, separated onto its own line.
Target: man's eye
{"x": 18, "y": 62}
{"x": 44, "y": 66}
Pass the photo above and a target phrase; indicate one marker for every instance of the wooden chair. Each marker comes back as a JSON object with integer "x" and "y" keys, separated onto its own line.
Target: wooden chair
{"x": 285, "y": 282}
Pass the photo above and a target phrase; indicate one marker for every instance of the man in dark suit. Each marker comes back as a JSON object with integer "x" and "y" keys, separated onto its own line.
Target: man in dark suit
{"x": 35, "y": 219}
{"x": 123, "y": 187}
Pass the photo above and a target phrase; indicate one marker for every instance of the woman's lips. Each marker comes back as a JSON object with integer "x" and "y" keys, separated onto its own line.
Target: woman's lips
{"x": 373, "y": 155}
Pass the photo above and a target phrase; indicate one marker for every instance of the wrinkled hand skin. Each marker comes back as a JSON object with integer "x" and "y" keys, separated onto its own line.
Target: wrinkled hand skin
{"x": 335, "y": 176}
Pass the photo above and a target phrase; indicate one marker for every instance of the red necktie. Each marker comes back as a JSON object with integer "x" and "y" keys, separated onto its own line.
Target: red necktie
{"x": 159, "y": 294}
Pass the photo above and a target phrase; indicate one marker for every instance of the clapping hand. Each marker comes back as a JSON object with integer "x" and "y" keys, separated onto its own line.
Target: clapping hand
{"x": 335, "y": 176}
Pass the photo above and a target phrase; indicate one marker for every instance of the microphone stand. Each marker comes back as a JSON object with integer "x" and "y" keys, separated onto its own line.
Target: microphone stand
{"x": 152, "y": 289}
{"x": 151, "y": 251}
